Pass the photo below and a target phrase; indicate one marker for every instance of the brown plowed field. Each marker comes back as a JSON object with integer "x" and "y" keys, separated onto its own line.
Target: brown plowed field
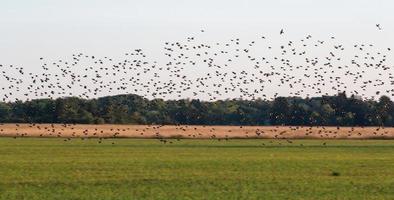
{"x": 187, "y": 131}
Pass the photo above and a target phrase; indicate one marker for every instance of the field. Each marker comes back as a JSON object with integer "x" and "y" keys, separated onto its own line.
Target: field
{"x": 50, "y": 168}
{"x": 196, "y": 132}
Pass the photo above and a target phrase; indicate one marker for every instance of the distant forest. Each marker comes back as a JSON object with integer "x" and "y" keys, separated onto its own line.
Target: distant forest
{"x": 338, "y": 110}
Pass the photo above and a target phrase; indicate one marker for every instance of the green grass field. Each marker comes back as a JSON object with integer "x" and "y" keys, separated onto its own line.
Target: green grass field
{"x": 33, "y": 168}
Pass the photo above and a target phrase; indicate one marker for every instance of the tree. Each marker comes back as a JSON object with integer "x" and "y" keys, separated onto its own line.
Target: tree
{"x": 5, "y": 112}
{"x": 280, "y": 111}
{"x": 384, "y": 110}
{"x": 122, "y": 109}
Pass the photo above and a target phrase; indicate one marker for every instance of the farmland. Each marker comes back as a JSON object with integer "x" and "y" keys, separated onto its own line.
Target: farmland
{"x": 50, "y": 168}
{"x": 194, "y": 132}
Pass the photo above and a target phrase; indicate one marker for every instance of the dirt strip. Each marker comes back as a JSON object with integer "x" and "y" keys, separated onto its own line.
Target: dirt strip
{"x": 188, "y": 131}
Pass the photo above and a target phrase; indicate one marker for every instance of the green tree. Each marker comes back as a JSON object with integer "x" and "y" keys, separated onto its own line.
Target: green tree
{"x": 280, "y": 111}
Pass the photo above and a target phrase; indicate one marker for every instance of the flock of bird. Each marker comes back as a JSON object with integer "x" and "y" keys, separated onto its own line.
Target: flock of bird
{"x": 168, "y": 134}
{"x": 233, "y": 68}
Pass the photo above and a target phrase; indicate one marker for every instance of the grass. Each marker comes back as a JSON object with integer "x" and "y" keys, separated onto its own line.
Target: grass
{"x": 39, "y": 168}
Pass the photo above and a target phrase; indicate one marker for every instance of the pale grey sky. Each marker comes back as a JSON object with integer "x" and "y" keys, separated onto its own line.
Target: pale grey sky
{"x": 58, "y": 27}
{"x": 55, "y": 29}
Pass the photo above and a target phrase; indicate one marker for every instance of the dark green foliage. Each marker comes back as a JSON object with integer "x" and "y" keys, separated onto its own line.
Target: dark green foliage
{"x": 338, "y": 110}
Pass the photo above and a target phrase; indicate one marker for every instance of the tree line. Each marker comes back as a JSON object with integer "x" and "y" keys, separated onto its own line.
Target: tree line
{"x": 337, "y": 110}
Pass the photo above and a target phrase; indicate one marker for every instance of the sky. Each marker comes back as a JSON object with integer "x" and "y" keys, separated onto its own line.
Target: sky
{"x": 55, "y": 29}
